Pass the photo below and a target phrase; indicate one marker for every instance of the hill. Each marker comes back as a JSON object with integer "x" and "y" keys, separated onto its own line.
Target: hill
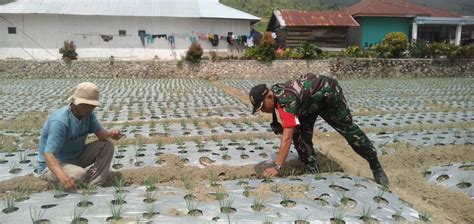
{"x": 264, "y": 8}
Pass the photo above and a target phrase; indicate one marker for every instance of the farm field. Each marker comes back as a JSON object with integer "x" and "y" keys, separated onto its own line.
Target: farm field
{"x": 192, "y": 152}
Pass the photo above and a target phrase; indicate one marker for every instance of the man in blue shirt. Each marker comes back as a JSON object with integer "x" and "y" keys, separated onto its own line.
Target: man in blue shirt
{"x": 63, "y": 154}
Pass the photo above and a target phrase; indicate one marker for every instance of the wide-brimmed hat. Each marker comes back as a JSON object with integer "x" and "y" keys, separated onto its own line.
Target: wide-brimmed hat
{"x": 257, "y": 95}
{"x": 85, "y": 93}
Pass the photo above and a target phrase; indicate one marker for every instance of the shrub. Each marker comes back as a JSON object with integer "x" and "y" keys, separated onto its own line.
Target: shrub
{"x": 339, "y": 54}
{"x": 441, "y": 49}
{"x": 308, "y": 51}
{"x": 194, "y": 52}
{"x": 68, "y": 51}
{"x": 354, "y": 51}
{"x": 392, "y": 46}
{"x": 294, "y": 54}
{"x": 265, "y": 51}
{"x": 420, "y": 49}
{"x": 466, "y": 51}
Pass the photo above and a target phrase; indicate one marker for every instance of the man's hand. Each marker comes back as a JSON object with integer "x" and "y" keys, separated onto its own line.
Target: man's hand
{"x": 55, "y": 167}
{"x": 105, "y": 134}
{"x": 67, "y": 182}
{"x": 270, "y": 172}
{"x": 116, "y": 135}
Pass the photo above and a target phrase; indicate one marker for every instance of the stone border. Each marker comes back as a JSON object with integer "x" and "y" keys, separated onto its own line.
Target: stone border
{"x": 343, "y": 68}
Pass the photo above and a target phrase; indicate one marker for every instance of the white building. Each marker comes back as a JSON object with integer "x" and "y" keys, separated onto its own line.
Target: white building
{"x": 36, "y": 29}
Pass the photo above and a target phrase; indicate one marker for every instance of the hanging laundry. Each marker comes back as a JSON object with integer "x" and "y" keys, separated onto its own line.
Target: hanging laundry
{"x": 142, "y": 37}
{"x": 250, "y": 42}
{"x": 256, "y": 39}
{"x": 192, "y": 38}
{"x": 159, "y": 36}
{"x": 106, "y": 38}
{"x": 238, "y": 41}
{"x": 203, "y": 36}
{"x": 229, "y": 39}
{"x": 215, "y": 40}
{"x": 149, "y": 38}
{"x": 171, "y": 41}
{"x": 244, "y": 40}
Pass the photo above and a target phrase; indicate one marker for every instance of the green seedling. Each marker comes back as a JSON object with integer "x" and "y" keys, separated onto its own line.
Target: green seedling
{"x": 257, "y": 203}
{"x": 77, "y": 215}
{"x": 187, "y": 182}
{"x": 150, "y": 196}
{"x": 213, "y": 178}
{"x": 116, "y": 211}
{"x": 150, "y": 183}
{"x": 59, "y": 191}
{"x": 9, "y": 203}
{"x": 366, "y": 215}
{"x": 119, "y": 198}
{"x": 36, "y": 215}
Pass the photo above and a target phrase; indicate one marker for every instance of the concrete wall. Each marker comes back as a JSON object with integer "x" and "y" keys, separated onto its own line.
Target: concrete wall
{"x": 39, "y": 37}
{"x": 245, "y": 69}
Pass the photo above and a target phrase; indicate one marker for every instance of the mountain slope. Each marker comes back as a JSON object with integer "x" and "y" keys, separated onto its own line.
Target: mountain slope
{"x": 264, "y": 8}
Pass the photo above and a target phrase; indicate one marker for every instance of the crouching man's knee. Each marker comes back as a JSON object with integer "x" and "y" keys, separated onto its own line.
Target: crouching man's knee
{"x": 108, "y": 148}
{"x": 79, "y": 175}
{"x": 76, "y": 173}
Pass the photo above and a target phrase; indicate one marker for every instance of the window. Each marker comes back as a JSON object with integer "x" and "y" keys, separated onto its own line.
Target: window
{"x": 122, "y": 32}
{"x": 11, "y": 30}
{"x": 141, "y": 31}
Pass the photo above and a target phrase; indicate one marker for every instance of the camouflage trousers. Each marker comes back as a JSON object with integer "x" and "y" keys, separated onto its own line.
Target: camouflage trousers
{"x": 336, "y": 113}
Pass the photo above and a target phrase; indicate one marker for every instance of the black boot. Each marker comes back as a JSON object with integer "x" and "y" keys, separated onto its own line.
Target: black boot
{"x": 379, "y": 175}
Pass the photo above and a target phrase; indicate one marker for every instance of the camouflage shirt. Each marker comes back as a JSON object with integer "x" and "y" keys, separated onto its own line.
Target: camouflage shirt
{"x": 305, "y": 95}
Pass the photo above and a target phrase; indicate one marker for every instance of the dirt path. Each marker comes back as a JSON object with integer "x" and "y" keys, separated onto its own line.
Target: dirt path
{"x": 405, "y": 170}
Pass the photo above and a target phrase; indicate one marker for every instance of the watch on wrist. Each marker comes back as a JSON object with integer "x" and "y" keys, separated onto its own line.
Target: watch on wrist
{"x": 277, "y": 167}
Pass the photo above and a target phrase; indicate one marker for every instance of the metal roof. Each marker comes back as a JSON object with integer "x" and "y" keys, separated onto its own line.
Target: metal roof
{"x": 395, "y": 8}
{"x": 147, "y": 8}
{"x": 314, "y": 18}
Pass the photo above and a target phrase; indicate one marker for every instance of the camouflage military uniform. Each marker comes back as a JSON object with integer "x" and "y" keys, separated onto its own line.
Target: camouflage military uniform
{"x": 314, "y": 95}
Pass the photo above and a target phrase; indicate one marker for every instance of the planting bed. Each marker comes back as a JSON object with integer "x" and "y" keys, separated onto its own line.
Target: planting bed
{"x": 394, "y": 95}
{"x": 190, "y": 129}
{"x": 348, "y": 198}
{"x": 456, "y": 177}
{"x": 389, "y": 142}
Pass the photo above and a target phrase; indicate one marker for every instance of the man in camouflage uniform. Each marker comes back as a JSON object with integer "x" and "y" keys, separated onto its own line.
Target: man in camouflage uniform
{"x": 298, "y": 103}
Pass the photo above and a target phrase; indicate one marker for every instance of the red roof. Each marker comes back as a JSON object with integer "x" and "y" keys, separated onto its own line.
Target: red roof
{"x": 317, "y": 18}
{"x": 397, "y": 8}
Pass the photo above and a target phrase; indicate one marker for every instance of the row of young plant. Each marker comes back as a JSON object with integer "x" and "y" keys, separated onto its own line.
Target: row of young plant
{"x": 394, "y": 94}
{"x": 21, "y": 162}
{"x": 260, "y": 202}
{"x": 196, "y": 128}
{"x": 205, "y": 153}
{"x": 160, "y": 97}
{"x": 454, "y": 176}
